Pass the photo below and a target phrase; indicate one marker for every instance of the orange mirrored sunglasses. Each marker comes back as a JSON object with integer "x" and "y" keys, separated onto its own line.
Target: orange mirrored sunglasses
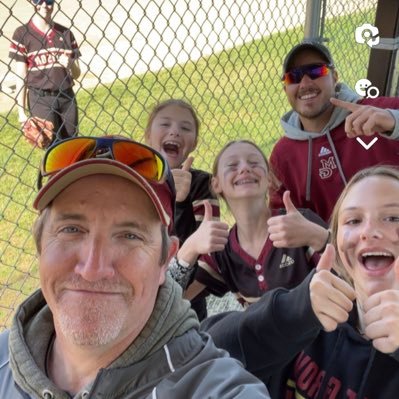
{"x": 141, "y": 158}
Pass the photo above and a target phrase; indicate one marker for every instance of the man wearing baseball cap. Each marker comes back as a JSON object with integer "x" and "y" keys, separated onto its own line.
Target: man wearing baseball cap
{"x": 319, "y": 152}
{"x": 107, "y": 320}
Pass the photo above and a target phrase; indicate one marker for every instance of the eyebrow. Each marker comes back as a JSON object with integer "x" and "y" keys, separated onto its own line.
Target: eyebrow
{"x": 390, "y": 205}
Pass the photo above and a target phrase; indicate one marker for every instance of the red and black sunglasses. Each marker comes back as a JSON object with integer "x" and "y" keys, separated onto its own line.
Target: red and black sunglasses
{"x": 314, "y": 71}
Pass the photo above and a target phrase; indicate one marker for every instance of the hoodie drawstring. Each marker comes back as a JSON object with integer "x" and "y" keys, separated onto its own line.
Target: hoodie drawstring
{"x": 46, "y": 394}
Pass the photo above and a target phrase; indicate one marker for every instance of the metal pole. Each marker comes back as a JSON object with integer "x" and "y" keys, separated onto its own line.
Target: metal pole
{"x": 312, "y": 20}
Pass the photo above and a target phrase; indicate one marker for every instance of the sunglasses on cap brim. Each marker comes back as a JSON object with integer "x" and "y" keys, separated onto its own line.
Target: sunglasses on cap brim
{"x": 314, "y": 71}
{"x": 144, "y": 160}
{"x": 40, "y": 2}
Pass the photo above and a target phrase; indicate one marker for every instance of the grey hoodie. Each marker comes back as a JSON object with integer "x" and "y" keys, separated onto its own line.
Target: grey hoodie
{"x": 169, "y": 359}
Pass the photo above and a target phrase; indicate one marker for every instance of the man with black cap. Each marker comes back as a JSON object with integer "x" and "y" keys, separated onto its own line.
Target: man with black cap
{"x": 108, "y": 322}
{"x": 319, "y": 152}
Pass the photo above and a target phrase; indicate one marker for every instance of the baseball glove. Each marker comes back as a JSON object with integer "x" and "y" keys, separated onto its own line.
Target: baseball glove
{"x": 38, "y": 132}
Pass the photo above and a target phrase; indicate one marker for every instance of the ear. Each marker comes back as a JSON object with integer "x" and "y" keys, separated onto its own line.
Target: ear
{"x": 172, "y": 251}
{"x": 215, "y": 183}
{"x": 335, "y": 76}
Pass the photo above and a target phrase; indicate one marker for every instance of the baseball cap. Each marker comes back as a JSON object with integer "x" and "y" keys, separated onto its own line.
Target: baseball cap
{"x": 307, "y": 45}
{"x": 161, "y": 191}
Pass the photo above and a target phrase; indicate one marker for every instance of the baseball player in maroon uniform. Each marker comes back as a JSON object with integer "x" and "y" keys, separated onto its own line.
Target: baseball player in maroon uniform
{"x": 46, "y": 62}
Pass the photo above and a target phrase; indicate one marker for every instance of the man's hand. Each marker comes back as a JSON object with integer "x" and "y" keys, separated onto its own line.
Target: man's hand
{"x": 211, "y": 236}
{"x": 365, "y": 120}
{"x": 182, "y": 178}
{"x": 330, "y": 296}
{"x": 381, "y": 317}
{"x": 293, "y": 230}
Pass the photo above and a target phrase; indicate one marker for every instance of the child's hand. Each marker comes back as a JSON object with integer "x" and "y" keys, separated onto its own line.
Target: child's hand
{"x": 182, "y": 178}
{"x": 293, "y": 230}
{"x": 381, "y": 318}
{"x": 331, "y": 297}
{"x": 211, "y": 236}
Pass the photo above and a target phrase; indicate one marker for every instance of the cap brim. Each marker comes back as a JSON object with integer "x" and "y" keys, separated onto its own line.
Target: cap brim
{"x": 89, "y": 167}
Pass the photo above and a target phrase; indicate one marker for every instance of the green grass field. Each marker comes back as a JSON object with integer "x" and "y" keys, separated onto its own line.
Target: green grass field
{"x": 238, "y": 94}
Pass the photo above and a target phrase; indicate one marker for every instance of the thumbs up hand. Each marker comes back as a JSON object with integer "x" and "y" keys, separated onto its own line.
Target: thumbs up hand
{"x": 293, "y": 230}
{"x": 211, "y": 236}
{"x": 330, "y": 296}
{"x": 380, "y": 319}
{"x": 182, "y": 178}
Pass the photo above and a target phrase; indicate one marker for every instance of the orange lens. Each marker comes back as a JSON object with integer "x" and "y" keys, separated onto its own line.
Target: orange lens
{"x": 67, "y": 153}
{"x": 143, "y": 160}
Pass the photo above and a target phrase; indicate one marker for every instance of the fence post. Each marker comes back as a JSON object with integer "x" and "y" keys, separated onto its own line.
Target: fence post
{"x": 312, "y": 20}
{"x": 383, "y": 67}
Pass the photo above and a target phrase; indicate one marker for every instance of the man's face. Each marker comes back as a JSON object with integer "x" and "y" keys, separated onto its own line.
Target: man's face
{"x": 311, "y": 98}
{"x": 99, "y": 263}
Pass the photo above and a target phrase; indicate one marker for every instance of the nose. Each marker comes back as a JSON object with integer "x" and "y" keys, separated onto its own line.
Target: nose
{"x": 244, "y": 167}
{"x": 305, "y": 80}
{"x": 370, "y": 230}
{"x": 174, "y": 129}
{"x": 96, "y": 262}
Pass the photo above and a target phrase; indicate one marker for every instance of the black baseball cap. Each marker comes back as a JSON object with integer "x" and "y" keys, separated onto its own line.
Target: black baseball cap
{"x": 307, "y": 45}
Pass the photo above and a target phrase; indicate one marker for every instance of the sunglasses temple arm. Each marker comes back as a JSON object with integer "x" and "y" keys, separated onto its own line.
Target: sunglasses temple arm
{"x": 39, "y": 180}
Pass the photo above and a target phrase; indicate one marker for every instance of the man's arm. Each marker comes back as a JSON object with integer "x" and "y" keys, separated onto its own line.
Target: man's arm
{"x": 75, "y": 69}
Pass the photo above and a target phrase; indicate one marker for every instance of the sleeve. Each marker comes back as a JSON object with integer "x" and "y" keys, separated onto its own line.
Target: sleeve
{"x": 190, "y": 212}
{"x": 390, "y": 104}
{"x": 271, "y": 332}
{"x": 394, "y": 135}
{"x": 180, "y": 273}
{"x": 18, "y": 51}
{"x": 208, "y": 273}
{"x": 75, "y": 47}
{"x": 313, "y": 217}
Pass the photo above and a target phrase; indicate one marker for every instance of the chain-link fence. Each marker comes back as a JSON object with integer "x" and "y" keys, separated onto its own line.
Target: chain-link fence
{"x": 224, "y": 57}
